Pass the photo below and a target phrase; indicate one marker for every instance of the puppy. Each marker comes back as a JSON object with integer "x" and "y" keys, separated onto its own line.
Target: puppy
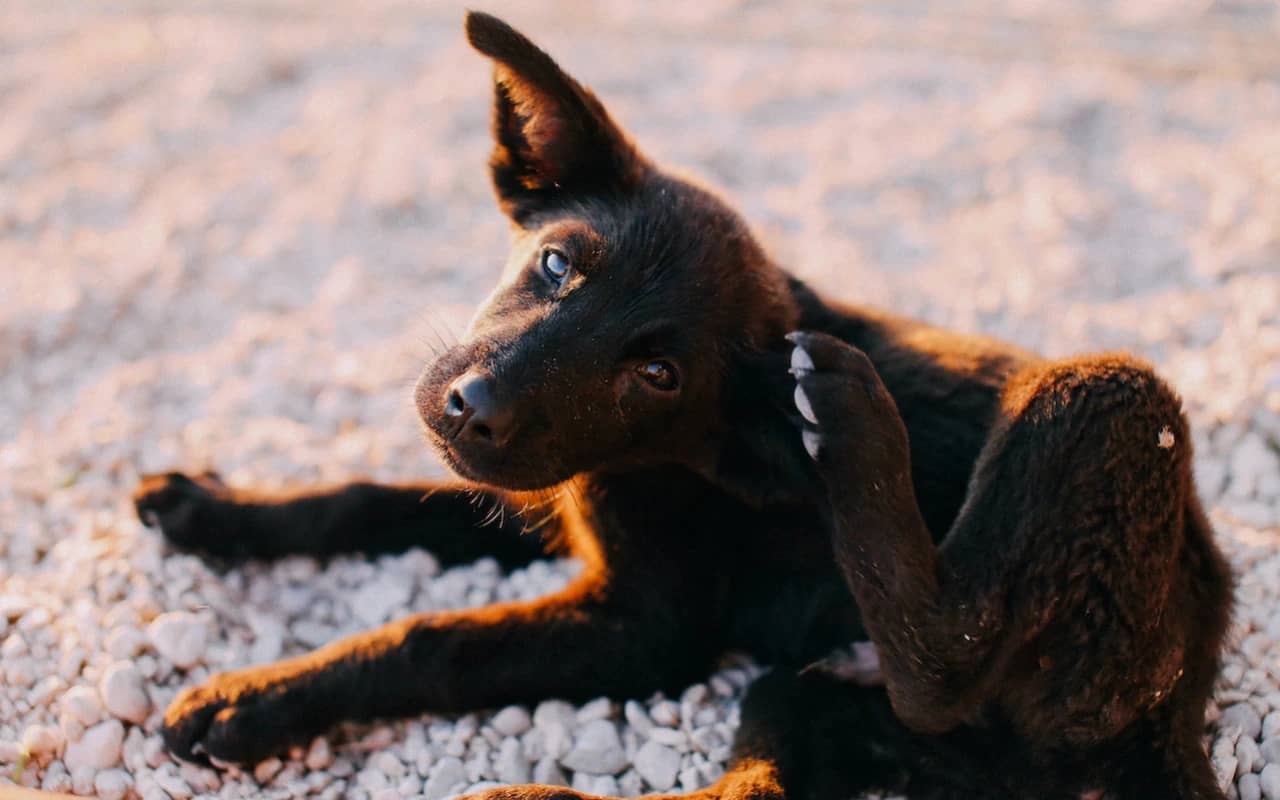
{"x": 745, "y": 465}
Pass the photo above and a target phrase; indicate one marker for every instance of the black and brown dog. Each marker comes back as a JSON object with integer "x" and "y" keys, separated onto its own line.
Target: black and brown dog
{"x": 755, "y": 468}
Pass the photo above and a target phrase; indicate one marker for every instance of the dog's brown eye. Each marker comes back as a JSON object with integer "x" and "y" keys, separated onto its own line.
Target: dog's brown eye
{"x": 555, "y": 264}
{"x": 659, "y": 373}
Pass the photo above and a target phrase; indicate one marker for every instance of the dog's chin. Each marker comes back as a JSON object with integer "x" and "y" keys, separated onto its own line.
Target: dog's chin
{"x": 502, "y": 471}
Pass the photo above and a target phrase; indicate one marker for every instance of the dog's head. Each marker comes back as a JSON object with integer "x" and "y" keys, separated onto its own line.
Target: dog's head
{"x": 627, "y": 295}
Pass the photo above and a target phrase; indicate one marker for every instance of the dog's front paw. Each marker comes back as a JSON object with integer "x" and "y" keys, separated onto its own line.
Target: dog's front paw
{"x": 238, "y": 717}
{"x": 192, "y": 512}
{"x": 848, "y": 417}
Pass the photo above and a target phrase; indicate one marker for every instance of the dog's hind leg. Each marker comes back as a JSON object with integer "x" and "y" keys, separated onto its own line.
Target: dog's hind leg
{"x": 1079, "y": 593}
{"x": 456, "y": 524}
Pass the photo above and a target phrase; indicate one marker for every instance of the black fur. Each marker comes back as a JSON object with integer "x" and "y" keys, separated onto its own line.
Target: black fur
{"x": 1020, "y": 538}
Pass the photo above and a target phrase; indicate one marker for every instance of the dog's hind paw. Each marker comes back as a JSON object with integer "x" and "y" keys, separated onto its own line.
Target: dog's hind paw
{"x": 841, "y": 402}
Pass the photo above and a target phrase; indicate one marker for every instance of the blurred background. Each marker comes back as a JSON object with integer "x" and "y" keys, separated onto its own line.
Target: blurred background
{"x": 231, "y": 233}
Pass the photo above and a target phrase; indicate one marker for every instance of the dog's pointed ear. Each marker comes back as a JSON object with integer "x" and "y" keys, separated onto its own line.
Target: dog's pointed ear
{"x": 552, "y": 138}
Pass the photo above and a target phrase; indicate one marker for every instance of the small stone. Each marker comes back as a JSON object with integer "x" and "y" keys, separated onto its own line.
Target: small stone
{"x": 658, "y": 765}
{"x": 554, "y": 712}
{"x": 41, "y": 741}
{"x": 1249, "y": 787}
{"x": 1247, "y": 756}
{"x": 371, "y": 779}
{"x": 511, "y": 766}
{"x": 1269, "y": 750}
{"x": 111, "y": 784}
{"x": 167, "y": 778}
{"x": 409, "y": 786}
{"x": 153, "y": 751}
{"x": 179, "y": 637}
{"x": 1244, "y": 718}
{"x": 690, "y": 779}
{"x": 388, "y": 765}
{"x": 1270, "y": 781}
{"x": 98, "y": 748}
{"x": 376, "y": 601}
{"x": 124, "y": 692}
{"x": 125, "y": 642}
{"x": 548, "y": 772}
{"x": 671, "y": 738}
{"x": 82, "y": 779}
{"x": 266, "y": 770}
{"x": 721, "y": 686}
{"x": 637, "y": 717}
{"x": 630, "y": 784}
{"x": 319, "y": 756}
{"x": 666, "y": 713}
{"x": 1224, "y": 767}
{"x": 511, "y": 721}
{"x": 600, "y": 708}
{"x": 596, "y": 750}
{"x": 448, "y": 775}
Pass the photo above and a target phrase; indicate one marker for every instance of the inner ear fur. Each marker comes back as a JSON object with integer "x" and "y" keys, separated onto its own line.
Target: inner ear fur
{"x": 553, "y": 139}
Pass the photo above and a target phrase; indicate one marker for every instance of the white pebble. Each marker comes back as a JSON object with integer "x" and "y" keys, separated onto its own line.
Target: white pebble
{"x": 548, "y": 772}
{"x": 596, "y": 749}
{"x": 388, "y": 764}
{"x": 267, "y": 769}
{"x": 511, "y": 766}
{"x": 1249, "y": 787}
{"x": 600, "y": 708}
{"x": 179, "y": 637}
{"x": 124, "y": 693}
{"x": 666, "y": 713}
{"x": 98, "y": 748}
{"x": 375, "y": 602}
{"x": 319, "y": 756}
{"x": 658, "y": 765}
{"x": 511, "y": 721}
{"x": 1244, "y": 718}
{"x": 1270, "y": 781}
{"x": 554, "y": 712}
{"x": 41, "y": 741}
{"x": 637, "y": 717}
{"x": 111, "y": 784}
{"x": 447, "y": 776}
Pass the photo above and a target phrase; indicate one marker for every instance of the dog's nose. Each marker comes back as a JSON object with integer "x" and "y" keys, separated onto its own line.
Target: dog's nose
{"x": 484, "y": 417}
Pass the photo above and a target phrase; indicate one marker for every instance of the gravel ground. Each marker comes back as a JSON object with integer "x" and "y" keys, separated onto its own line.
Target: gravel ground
{"x": 231, "y": 235}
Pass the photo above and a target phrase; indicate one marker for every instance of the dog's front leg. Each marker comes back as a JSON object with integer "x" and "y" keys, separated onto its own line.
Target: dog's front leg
{"x": 456, "y": 523}
{"x": 576, "y": 644}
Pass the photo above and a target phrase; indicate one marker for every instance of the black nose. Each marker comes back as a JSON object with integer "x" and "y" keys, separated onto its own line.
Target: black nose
{"x": 483, "y": 416}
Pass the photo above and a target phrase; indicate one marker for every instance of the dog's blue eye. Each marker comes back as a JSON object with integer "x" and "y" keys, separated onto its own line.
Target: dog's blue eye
{"x": 555, "y": 264}
{"x": 660, "y": 374}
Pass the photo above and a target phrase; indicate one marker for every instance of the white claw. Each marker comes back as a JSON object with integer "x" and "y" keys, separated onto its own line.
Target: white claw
{"x": 804, "y": 406}
{"x": 800, "y": 361}
{"x": 812, "y": 441}
{"x": 859, "y": 664}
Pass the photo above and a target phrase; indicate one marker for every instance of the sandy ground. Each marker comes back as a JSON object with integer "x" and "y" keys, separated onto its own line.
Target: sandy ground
{"x": 231, "y": 235}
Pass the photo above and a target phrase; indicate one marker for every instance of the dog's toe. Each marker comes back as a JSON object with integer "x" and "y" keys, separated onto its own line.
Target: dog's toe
{"x": 812, "y": 442}
{"x": 804, "y": 406}
{"x": 801, "y": 361}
